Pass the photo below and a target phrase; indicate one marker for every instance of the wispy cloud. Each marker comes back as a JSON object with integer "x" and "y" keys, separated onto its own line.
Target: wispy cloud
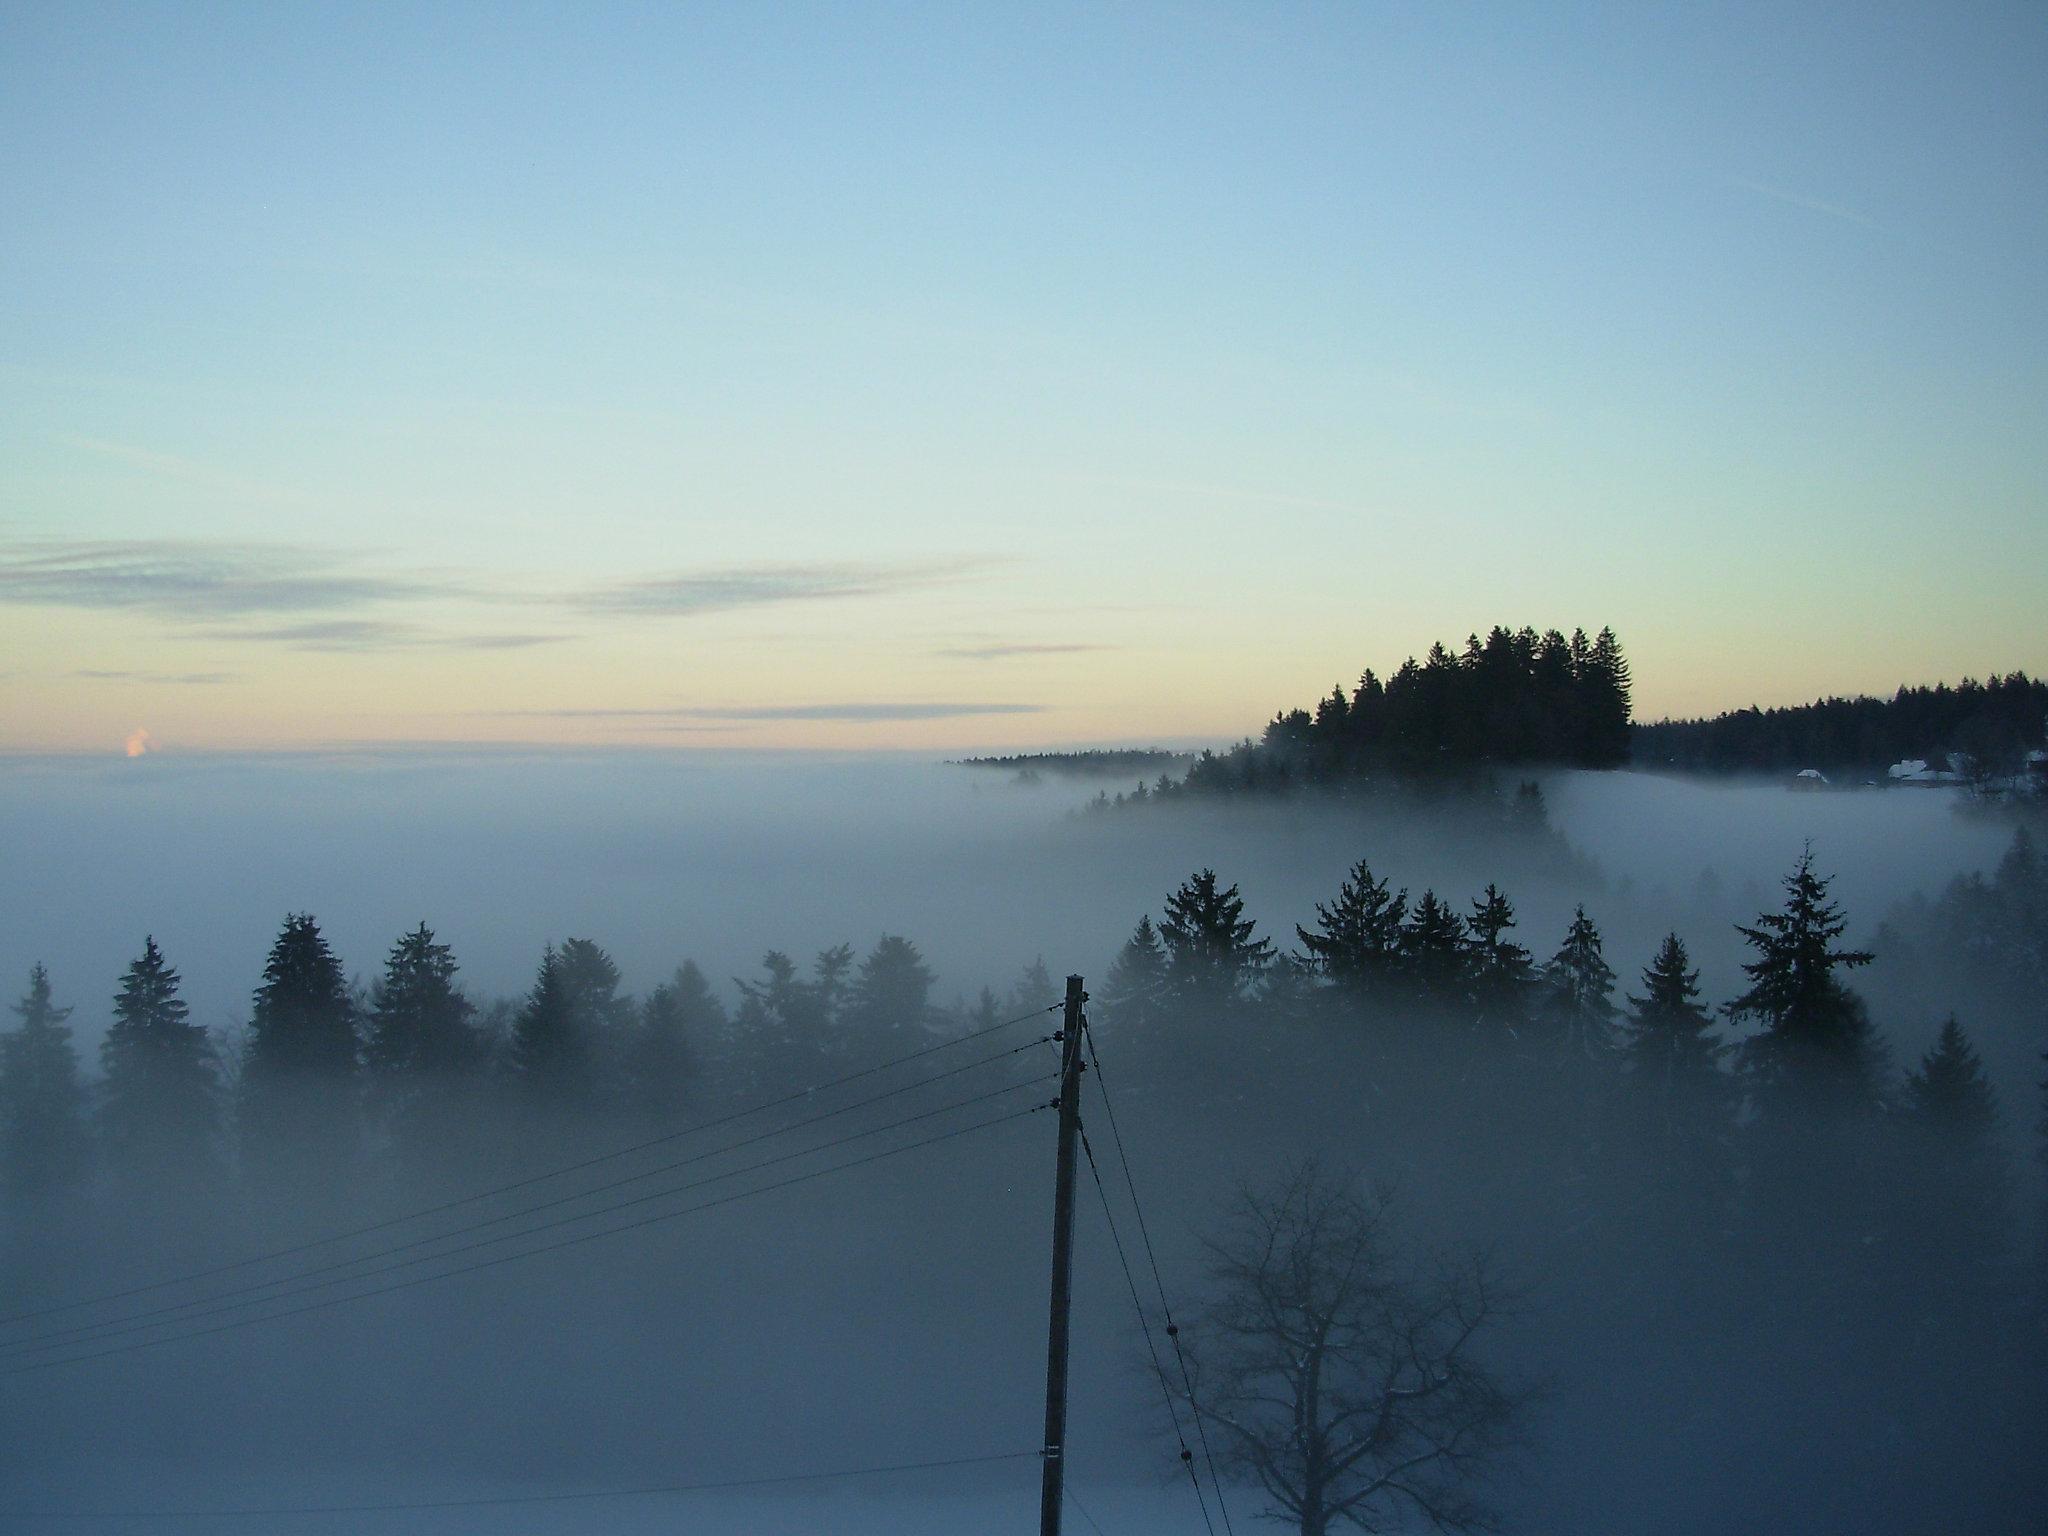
{"x": 196, "y": 679}
{"x": 1840, "y": 211}
{"x": 1004, "y": 652}
{"x": 713, "y": 591}
{"x": 858, "y": 710}
{"x": 358, "y": 635}
{"x": 189, "y": 580}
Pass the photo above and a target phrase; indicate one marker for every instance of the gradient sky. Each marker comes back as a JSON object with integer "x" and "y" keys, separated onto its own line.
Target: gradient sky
{"x": 948, "y": 376}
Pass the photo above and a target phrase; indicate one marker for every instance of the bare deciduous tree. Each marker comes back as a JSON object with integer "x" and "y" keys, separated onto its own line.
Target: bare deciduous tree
{"x": 1339, "y": 1369}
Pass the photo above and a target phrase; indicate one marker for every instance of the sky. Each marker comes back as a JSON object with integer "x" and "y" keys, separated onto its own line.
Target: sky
{"x": 925, "y": 376}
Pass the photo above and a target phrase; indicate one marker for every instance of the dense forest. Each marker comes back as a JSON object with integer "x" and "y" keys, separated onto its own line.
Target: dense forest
{"x": 1515, "y": 699}
{"x": 1763, "y": 1191}
{"x": 1992, "y": 723}
{"x": 1094, "y": 763}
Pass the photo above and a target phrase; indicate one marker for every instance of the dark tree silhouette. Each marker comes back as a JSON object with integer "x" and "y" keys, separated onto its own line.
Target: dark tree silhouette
{"x": 1500, "y": 973}
{"x": 419, "y": 1021}
{"x": 889, "y": 1007}
{"x": 42, "y": 1105}
{"x": 1343, "y": 1373}
{"x": 159, "y": 1106}
{"x": 678, "y": 1019}
{"x": 1356, "y": 943}
{"x": 1669, "y": 1046}
{"x": 1211, "y": 955}
{"x": 1133, "y": 991}
{"x": 1435, "y": 951}
{"x": 1578, "y": 987}
{"x": 562, "y": 1042}
{"x": 1816, "y": 1032}
{"x": 300, "y": 1053}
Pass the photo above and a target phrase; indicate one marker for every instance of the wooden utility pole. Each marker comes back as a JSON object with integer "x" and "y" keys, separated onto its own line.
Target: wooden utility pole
{"x": 1053, "y": 1483}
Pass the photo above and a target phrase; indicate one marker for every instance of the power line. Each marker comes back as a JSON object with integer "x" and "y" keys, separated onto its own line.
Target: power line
{"x": 723, "y": 1486}
{"x": 1159, "y": 1283}
{"x": 1187, "y": 1457}
{"x": 139, "y": 1321}
{"x": 516, "y": 1184}
{"x": 1075, "y": 1500}
{"x": 507, "y": 1258}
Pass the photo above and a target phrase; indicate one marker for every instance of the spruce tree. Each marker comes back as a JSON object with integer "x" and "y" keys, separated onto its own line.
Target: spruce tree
{"x": 422, "y": 1047}
{"x": 1034, "y": 989}
{"x": 419, "y": 1021}
{"x": 159, "y": 1107}
{"x": 1502, "y": 975}
{"x": 1816, "y": 1033}
{"x": 1668, "y": 1038}
{"x": 678, "y": 1020}
{"x": 1579, "y": 990}
{"x": 1211, "y": 955}
{"x": 1131, "y": 994}
{"x": 1957, "y": 1186}
{"x": 1356, "y": 943}
{"x": 1435, "y": 953}
{"x": 565, "y": 1034}
{"x": 299, "y": 1064}
{"x": 42, "y": 1105}
{"x": 1948, "y": 1093}
{"x": 889, "y": 1007}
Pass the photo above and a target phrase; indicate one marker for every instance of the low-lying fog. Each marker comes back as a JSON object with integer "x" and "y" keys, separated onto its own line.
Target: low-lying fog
{"x": 719, "y": 858}
{"x": 896, "y": 1313}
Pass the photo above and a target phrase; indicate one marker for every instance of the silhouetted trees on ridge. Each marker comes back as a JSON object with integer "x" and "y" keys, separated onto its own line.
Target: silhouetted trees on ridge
{"x": 1994, "y": 722}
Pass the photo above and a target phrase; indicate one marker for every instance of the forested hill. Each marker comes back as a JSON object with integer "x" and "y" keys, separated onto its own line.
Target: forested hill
{"x": 1516, "y": 698}
{"x": 1995, "y": 722}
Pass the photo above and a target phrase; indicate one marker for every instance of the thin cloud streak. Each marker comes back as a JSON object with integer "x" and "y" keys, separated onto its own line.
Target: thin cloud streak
{"x": 856, "y": 710}
{"x": 715, "y": 591}
{"x": 1004, "y": 652}
{"x": 1840, "y": 211}
{"x": 195, "y": 679}
{"x": 360, "y": 635}
{"x": 187, "y": 580}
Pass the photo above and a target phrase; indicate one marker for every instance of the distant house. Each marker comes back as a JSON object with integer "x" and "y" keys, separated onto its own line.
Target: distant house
{"x": 1915, "y": 772}
{"x": 1809, "y": 778}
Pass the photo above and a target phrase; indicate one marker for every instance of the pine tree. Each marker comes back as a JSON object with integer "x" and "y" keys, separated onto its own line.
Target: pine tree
{"x": 1137, "y": 977}
{"x": 1435, "y": 953}
{"x": 1669, "y": 1045}
{"x": 1949, "y": 1095}
{"x": 1579, "y": 989}
{"x": 419, "y": 1021}
{"x": 1035, "y": 988}
{"x": 1956, "y": 1186}
{"x": 1356, "y": 943}
{"x": 678, "y": 1019}
{"x": 159, "y": 1108}
{"x": 1211, "y": 955}
{"x": 1502, "y": 973}
{"x": 565, "y": 1035}
{"x": 299, "y": 1064}
{"x": 1816, "y": 1031}
{"x": 42, "y": 1105}
{"x": 889, "y": 1007}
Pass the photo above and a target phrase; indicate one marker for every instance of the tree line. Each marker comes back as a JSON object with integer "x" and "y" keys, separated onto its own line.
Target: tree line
{"x": 1516, "y": 698}
{"x": 327, "y": 1070}
{"x": 1993, "y": 722}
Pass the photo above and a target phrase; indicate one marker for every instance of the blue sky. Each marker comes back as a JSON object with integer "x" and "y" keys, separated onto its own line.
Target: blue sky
{"x": 916, "y": 376}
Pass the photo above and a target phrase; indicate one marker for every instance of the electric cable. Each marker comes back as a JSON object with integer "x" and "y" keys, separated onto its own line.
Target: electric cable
{"x": 1187, "y": 1457}
{"x": 1159, "y": 1283}
{"x": 507, "y": 1258}
{"x": 139, "y": 1321}
{"x": 523, "y": 1183}
{"x": 722, "y": 1486}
